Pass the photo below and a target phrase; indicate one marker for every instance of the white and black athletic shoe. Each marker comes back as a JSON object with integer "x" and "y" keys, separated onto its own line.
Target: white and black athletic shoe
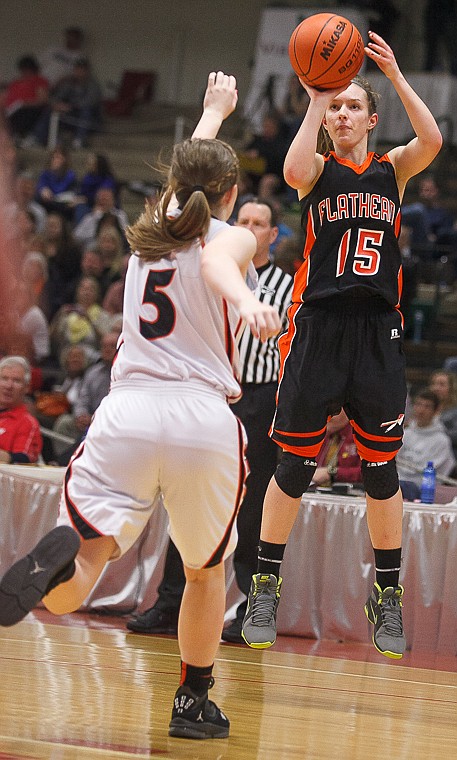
{"x": 50, "y": 563}
{"x": 196, "y": 717}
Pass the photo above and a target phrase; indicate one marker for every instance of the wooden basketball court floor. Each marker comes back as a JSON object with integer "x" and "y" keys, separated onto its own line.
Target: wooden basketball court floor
{"x": 82, "y": 686}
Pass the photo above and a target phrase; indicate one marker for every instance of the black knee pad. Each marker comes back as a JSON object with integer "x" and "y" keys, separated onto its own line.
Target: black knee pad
{"x": 380, "y": 479}
{"x": 294, "y": 474}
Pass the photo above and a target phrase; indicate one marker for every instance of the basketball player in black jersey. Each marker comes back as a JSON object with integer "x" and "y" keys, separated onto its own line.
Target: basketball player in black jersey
{"x": 344, "y": 344}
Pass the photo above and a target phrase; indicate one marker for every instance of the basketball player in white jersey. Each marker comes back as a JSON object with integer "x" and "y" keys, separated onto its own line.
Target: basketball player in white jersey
{"x": 165, "y": 427}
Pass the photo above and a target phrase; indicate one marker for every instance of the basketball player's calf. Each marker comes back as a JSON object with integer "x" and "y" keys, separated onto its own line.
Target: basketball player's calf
{"x": 383, "y": 607}
{"x": 293, "y": 476}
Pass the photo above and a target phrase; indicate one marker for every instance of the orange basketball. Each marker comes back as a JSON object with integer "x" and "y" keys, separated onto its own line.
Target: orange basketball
{"x": 326, "y": 51}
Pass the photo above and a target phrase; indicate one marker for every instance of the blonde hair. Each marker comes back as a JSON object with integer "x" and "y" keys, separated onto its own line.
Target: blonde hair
{"x": 324, "y": 143}
{"x": 200, "y": 173}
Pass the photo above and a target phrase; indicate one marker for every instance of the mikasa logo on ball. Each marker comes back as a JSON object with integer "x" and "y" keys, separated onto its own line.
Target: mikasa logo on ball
{"x": 330, "y": 45}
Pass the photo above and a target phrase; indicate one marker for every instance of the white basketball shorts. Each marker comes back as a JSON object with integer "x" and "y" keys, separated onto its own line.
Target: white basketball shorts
{"x": 178, "y": 440}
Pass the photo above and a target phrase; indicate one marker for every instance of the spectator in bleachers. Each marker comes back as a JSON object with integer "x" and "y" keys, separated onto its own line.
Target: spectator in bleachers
{"x": 24, "y": 223}
{"x": 110, "y": 246}
{"x": 91, "y": 262}
{"x": 429, "y": 219}
{"x": 32, "y": 321}
{"x": 20, "y": 437}
{"x": 64, "y": 263}
{"x": 111, "y": 221}
{"x": 271, "y": 145}
{"x": 98, "y": 174}
{"x": 113, "y": 301}
{"x": 94, "y": 388}
{"x": 25, "y": 97}
{"x": 444, "y": 384}
{"x": 77, "y": 100}
{"x": 294, "y": 105}
{"x": 82, "y": 322}
{"x": 57, "y": 62}
{"x": 105, "y": 203}
{"x": 34, "y": 272}
{"x": 425, "y": 439}
{"x": 26, "y": 188}
{"x": 289, "y": 254}
{"x": 56, "y": 182}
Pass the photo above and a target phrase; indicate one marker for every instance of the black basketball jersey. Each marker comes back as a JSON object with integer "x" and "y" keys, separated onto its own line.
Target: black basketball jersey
{"x": 351, "y": 219}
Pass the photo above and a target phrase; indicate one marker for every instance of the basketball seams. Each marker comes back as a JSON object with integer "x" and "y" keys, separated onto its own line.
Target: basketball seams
{"x": 311, "y": 58}
{"x": 335, "y": 62}
{"x": 295, "y": 51}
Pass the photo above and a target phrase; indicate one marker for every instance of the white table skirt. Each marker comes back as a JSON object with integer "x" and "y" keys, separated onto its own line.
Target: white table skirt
{"x": 328, "y": 566}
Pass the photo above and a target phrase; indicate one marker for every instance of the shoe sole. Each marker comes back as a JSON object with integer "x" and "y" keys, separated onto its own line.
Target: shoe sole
{"x": 385, "y": 652}
{"x": 25, "y": 583}
{"x": 186, "y": 729}
{"x": 258, "y": 644}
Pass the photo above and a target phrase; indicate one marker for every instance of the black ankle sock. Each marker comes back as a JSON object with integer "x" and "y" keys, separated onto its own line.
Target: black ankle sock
{"x": 197, "y": 679}
{"x": 387, "y": 563}
{"x": 269, "y": 558}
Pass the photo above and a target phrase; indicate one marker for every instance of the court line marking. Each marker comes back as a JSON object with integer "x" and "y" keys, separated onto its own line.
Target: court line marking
{"x": 278, "y": 666}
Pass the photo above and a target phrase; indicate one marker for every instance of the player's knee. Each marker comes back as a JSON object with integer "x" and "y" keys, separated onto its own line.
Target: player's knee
{"x": 294, "y": 474}
{"x": 380, "y": 479}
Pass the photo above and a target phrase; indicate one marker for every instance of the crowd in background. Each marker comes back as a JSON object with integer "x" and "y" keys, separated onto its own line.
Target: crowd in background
{"x": 71, "y": 254}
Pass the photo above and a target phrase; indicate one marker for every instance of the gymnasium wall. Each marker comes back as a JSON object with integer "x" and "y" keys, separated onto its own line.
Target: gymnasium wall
{"x": 180, "y": 40}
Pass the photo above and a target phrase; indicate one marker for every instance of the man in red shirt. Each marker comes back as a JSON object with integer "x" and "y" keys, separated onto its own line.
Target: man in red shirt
{"x": 25, "y": 97}
{"x": 20, "y": 437}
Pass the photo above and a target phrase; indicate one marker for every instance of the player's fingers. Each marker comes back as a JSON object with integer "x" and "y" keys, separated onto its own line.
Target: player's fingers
{"x": 232, "y": 82}
{"x": 211, "y": 78}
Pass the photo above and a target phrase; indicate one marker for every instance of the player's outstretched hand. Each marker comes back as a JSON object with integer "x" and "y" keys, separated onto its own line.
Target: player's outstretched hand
{"x": 221, "y": 95}
{"x": 263, "y": 320}
{"x": 383, "y": 55}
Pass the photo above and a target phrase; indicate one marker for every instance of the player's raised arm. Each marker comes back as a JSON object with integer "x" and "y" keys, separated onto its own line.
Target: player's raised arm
{"x": 412, "y": 158}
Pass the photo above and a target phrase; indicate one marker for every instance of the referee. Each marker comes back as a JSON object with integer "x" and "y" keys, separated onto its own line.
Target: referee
{"x": 256, "y": 408}
{"x": 259, "y": 365}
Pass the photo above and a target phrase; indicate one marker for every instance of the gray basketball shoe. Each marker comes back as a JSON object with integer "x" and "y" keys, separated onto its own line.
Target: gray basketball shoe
{"x": 259, "y": 624}
{"x": 383, "y": 610}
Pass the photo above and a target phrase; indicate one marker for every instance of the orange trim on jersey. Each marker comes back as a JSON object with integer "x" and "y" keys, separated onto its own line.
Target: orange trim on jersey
{"x": 306, "y": 451}
{"x": 399, "y": 285}
{"x": 355, "y": 167}
{"x": 302, "y": 435}
{"x": 371, "y": 455}
{"x": 302, "y": 274}
{"x": 373, "y": 437}
{"x": 286, "y": 339}
{"x": 397, "y": 224}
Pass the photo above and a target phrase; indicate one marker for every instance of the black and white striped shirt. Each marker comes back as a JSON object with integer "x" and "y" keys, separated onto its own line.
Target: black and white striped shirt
{"x": 259, "y": 362}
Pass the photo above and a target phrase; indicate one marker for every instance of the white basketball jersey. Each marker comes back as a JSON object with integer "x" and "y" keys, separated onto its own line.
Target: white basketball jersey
{"x": 174, "y": 326}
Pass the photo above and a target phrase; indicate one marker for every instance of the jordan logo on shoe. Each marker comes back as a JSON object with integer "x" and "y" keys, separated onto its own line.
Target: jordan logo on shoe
{"x": 37, "y": 569}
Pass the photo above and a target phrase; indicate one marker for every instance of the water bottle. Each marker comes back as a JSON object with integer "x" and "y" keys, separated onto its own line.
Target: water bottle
{"x": 428, "y": 484}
